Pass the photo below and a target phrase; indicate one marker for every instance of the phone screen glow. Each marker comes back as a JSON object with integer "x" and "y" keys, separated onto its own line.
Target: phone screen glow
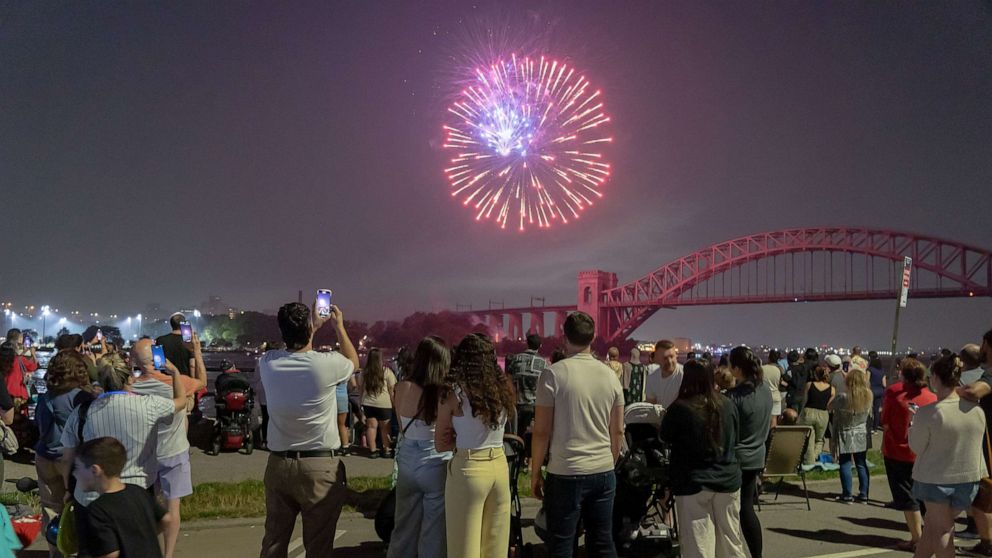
{"x": 158, "y": 357}
{"x": 323, "y": 303}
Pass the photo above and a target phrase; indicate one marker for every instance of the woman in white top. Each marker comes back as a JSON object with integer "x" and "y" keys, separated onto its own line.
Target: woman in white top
{"x": 947, "y": 439}
{"x": 376, "y": 383}
{"x": 419, "y": 524}
{"x": 470, "y": 419}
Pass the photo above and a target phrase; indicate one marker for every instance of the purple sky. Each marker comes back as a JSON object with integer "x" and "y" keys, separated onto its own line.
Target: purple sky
{"x": 163, "y": 154}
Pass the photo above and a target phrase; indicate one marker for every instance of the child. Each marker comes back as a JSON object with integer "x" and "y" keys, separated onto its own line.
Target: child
{"x": 125, "y": 520}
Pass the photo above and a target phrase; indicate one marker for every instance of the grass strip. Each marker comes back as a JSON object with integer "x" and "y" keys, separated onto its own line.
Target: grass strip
{"x": 216, "y": 500}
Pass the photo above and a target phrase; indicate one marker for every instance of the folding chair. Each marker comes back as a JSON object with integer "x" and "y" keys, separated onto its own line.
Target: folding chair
{"x": 785, "y": 456}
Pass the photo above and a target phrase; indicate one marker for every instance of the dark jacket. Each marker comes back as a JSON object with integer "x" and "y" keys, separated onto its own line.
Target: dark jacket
{"x": 695, "y": 465}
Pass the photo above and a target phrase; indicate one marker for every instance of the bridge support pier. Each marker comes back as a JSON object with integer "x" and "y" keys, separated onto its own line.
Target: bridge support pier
{"x": 536, "y": 323}
{"x": 592, "y": 286}
{"x": 559, "y": 323}
{"x": 516, "y": 325}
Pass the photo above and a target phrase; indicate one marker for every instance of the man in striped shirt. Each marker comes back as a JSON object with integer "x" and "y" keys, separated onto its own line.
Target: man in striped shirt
{"x": 131, "y": 419}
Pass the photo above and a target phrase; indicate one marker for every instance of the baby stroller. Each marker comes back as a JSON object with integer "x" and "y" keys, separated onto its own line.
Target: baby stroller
{"x": 513, "y": 446}
{"x": 233, "y": 403}
{"x": 644, "y": 523}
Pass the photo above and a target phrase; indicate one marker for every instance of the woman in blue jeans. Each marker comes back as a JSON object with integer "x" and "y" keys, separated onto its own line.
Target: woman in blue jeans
{"x": 420, "y": 522}
{"x": 850, "y": 428}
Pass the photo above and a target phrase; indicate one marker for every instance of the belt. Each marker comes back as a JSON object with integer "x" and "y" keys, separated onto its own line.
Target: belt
{"x": 302, "y": 454}
{"x": 485, "y": 454}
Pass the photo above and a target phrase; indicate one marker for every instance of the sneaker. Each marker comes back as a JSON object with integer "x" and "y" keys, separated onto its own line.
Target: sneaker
{"x": 861, "y": 499}
{"x": 376, "y": 454}
{"x": 845, "y": 499}
{"x": 967, "y": 534}
{"x": 983, "y": 548}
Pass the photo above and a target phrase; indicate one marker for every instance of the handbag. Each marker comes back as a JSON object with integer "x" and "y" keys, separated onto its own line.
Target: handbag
{"x": 984, "y": 499}
{"x": 8, "y": 444}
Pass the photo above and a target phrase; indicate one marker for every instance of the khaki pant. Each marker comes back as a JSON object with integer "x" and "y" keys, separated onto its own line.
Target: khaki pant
{"x": 477, "y": 504}
{"x": 51, "y": 492}
{"x": 710, "y": 525}
{"x": 818, "y": 419}
{"x": 313, "y": 486}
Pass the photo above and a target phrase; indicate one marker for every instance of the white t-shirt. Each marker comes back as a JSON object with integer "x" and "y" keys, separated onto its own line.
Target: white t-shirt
{"x": 664, "y": 391}
{"x": 583, "y": 392}
{"x": 773, "y": 375}
{"x": 301, "y": 398}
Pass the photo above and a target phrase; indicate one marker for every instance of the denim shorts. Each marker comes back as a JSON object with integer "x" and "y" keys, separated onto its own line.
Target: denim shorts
{"x": 957, "y": 496}
{"x": 342, "y": 404}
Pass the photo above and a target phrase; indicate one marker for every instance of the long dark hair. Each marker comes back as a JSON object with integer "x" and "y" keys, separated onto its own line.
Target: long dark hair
{"x": 698, "y": 391}
{"x": 750, "y": 366}
{"x": 374, "y": 375}
{"x": 7, "y": 355}
{"x": 475, "y": 370}
{"x": 431, "y": 363}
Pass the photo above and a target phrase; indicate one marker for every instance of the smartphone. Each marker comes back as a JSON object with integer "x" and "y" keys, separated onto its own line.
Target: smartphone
{"x": 187, "y": 331}
{"x": 158, "y": 357}
{"x": 99, "y": 335}
{"x": 27, "y": 341}
{"x": 323, "y": 302}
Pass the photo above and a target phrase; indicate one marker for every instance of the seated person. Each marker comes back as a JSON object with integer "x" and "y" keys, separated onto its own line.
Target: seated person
{"x": 230, "y": 379}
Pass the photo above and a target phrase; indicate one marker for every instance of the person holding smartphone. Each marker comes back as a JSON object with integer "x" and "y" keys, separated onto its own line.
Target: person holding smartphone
{"x": 176, "y": 349}
{"x": 300, "y": 388}
{"x": 173, "y": 470}
{"x": 103, "y": 418}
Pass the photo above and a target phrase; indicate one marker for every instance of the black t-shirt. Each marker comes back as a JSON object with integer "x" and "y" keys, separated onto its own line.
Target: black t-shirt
{"x": 176, "y": 351}
{"x": 695, "y": 465}
{"x": 126, "y": 521}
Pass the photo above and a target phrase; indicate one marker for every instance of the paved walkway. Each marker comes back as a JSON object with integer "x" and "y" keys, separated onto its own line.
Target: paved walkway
{"x": 830, "y": 530}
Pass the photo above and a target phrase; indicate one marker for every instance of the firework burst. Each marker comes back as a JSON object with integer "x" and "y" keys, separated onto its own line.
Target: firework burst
{"x": 528, "y": 136}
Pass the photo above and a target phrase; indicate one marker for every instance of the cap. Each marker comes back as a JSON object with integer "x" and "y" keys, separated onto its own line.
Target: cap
{"x": 834, "y": 361}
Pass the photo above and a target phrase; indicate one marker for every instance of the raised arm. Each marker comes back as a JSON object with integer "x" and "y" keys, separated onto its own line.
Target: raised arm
{"x": 178, "y": 389}
{"x": 347, "y": 349}
{"x": 199, "y": 368}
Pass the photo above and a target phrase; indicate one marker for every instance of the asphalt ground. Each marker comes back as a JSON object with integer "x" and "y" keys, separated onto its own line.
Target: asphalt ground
{"x": 830, "y": 530}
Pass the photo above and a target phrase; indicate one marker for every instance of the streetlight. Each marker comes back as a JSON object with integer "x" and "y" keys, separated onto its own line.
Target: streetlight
{"x": 44, "y": 322}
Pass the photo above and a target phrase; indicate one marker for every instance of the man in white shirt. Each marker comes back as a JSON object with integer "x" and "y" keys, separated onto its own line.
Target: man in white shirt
{"x": 302, "y": 474}
{"x": 579, "y": 414}
{"x": 662, "y": 386}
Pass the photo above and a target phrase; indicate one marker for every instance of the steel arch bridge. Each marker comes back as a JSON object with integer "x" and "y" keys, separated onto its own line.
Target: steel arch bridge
{"x": 795, "y": 265}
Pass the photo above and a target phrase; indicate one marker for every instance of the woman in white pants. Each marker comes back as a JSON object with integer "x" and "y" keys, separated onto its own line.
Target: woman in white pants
{"x": 701, "y": 428}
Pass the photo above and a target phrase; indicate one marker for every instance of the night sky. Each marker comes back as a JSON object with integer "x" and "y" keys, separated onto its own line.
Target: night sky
{"x": 164, "y": 153}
